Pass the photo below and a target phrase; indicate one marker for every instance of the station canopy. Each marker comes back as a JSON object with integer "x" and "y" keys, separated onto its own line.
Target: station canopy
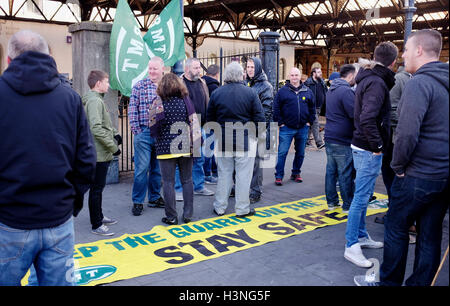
{"x": 347, "y": 25}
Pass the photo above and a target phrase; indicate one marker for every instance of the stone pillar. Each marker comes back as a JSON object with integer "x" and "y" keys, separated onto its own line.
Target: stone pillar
{"x": 269, "y": 46}
{"x": 90, "y": 51}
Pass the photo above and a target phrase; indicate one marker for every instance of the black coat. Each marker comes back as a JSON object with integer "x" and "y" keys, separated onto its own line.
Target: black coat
{"x": 372, "y": 107}
{"x": 212, "y": 83}
{"x": 47, "y": 154}
{"x": 234, "y": 103}
{"x": 263, "y": 88}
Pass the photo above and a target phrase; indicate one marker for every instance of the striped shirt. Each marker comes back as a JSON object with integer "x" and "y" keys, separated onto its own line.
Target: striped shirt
{"x": 142, "y": 95}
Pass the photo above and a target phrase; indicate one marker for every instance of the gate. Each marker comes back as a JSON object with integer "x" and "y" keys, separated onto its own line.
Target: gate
{"x": 126, "y": 159}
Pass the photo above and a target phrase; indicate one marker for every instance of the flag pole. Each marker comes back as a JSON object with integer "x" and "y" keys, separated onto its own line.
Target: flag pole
{"x": 178, "y": 68}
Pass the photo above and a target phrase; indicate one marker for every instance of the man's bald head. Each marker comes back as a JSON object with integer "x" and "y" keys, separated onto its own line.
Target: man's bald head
{"x": 24, "y": 41}
{"x": 295, "y": 77}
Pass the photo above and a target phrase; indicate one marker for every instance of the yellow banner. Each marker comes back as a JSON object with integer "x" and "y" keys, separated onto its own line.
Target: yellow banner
{"x": 165, "y": 247}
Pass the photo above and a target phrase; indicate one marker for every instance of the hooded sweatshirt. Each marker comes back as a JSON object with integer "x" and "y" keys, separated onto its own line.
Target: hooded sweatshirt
{"x": 421, "y": 137}
{"x": 339, "y": 114}
{"x": 262, "y": 87}
{"x": 372, "y": 106}
{"x": 47, "y": 154}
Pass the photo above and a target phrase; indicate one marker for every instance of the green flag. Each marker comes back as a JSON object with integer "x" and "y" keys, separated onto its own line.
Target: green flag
{"x": 128, "y": 58}
{"x": 165, "y": 38}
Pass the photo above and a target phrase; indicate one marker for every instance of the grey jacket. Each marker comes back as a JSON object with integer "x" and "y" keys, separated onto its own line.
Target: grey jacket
{"x": 421, "y": 137}
{"x": 401, "y": 77}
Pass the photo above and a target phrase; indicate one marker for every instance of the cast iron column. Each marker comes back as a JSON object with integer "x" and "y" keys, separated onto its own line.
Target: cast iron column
{"x": 409, "y": 14}
{"x": 269, "y": 46}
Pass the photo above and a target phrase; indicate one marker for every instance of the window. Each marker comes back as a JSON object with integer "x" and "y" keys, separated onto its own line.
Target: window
{"x": 282, "y": 69}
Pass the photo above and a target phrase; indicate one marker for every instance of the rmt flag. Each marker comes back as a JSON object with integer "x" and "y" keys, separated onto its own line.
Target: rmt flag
{"x": 129, "y": 54}
{"x": 165, "y": 38}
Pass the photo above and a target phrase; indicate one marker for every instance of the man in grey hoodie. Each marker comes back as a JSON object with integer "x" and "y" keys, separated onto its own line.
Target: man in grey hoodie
{"x": 421, "y": 164}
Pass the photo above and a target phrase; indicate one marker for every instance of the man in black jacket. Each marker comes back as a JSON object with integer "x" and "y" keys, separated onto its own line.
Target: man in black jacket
{"x": 235, "y": 109}
{"x": 47, "y": 162}
{"x": 421, "y": 163}
{"x": 257, "y": 79}
{"x": 371, "y": 118}
{"x": 210, "y": 167}
{"x": 319, "y": 89}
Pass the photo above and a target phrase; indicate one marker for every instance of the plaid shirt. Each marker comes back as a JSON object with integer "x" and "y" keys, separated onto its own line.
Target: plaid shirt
{"x": 142, "y": 96}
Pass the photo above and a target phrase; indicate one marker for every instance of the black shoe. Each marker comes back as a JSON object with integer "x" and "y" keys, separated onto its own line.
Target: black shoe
{"x": 215, "y": 212}
{"x": 137, "y": 209}
{"x": 253, "y": 200}
{"x": 380, "y": 220}
{"x": 187, "y": 220}
{"x": 157, "y": 204}
{"x": 250, "y": 213}
{"x": 173, "y": 221}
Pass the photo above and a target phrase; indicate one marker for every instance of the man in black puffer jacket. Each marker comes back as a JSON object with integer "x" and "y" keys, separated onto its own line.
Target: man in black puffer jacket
{"x": 371, "y": 118}
{"x": 257, "y": 79}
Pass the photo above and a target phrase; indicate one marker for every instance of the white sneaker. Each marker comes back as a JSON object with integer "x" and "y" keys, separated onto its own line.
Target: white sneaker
{"x": 368, "y": 243}
{"x": 103, "y": 230}
{"x": 354, "y": 254}
{"x": 179, "y": 196}
{"x": 205, "y": 191}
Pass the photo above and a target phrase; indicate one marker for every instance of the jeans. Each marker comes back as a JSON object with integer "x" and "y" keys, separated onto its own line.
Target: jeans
{"x": 95, "y": 194}
{"x": 339, "y": 167}
{"x": 168, "y": 173}
{"x": 198, "y": 175}
{"x": 50, "y": 250}
{"x": 147, "y": 176}
{"x": 315, "y": 129}
{"x": 286, "y": 136}
{"x": 243, "y": 167}
{"x": 426, "y": 202}
{"x": 368, "y": 167}
{"x": 210, "y": 166}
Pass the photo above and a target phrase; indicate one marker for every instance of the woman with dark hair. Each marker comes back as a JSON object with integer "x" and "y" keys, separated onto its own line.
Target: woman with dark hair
{"x": 174, "y": 125}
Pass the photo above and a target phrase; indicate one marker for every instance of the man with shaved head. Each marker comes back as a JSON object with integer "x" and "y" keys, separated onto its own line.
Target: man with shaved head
{"x": 147, "y": 175}
{"x": 47, "y": 164}
{"x": 293, "y": 109}
{"x": 420, "y": 161}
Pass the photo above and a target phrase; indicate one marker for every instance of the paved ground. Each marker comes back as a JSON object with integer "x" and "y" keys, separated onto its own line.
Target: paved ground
{"x": 314, "y": 258}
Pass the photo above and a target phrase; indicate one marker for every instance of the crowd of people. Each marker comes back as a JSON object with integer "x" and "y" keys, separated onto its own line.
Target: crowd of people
{"x": 190, "y": 131}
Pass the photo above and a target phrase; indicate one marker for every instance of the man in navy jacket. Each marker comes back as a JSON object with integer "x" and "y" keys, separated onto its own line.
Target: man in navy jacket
{"x": 47, "y": 162}
{"x": 293, "y": 109}
{"x": 338, "y": 138}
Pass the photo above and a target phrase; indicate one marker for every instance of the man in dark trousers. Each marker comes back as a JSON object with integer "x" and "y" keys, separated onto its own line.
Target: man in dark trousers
{"x": 374, "y": 80}
{"x": 47, "y": 162}
{"x": 319, "y": 89}
{"x": 257, "y": 80}
{"x": 210, "y": 167}
{"x": 421, "y": 163}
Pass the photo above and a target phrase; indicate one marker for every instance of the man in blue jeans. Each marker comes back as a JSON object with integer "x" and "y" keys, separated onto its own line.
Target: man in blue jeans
{"x": 371, "y": 120}
{"x": 420, "y": 190}
{"x": 338, "y": 138}
{"x": 147, "y": 176}
{"x": 293, "y": 109}
{"x": 46, "y": 165}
